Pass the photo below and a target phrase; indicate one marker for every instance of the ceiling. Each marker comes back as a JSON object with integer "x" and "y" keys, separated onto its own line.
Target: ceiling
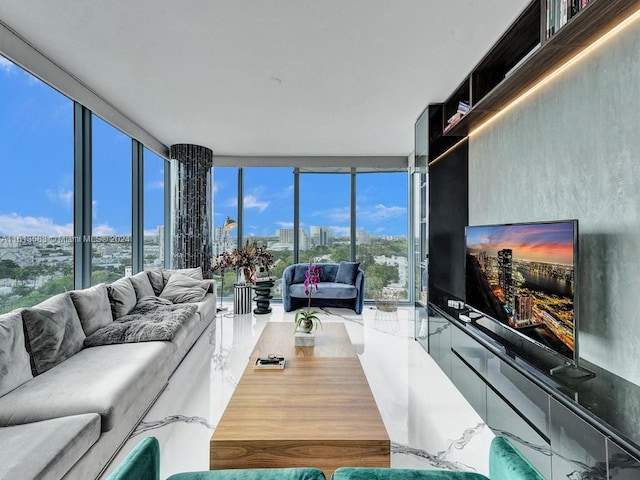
{"x": 268, "y": 77}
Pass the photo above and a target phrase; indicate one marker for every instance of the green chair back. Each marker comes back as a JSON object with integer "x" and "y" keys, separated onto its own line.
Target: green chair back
{"x": 507, "y": 463}
{"x": 142, "y": 463}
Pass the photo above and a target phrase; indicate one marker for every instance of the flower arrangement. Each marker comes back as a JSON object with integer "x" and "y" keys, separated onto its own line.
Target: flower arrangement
{"x": 306, "y": 320}
{"x": 247, "y": 259}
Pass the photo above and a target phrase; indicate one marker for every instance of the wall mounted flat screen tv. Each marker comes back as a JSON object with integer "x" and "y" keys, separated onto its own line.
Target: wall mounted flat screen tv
{"x": 524, "y": 276}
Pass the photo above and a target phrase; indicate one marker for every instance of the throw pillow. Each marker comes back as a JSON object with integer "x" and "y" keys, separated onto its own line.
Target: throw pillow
{"x": 347, "y": 272}
{"x": 53, "y": 332}
{"x": 182, "y": 289}
{"x": 142, "y": 286}
{"x": 156, "y": 279}
{"x": 195, "y": 272}
{"x": 15, "y": 364}
{"x": 122, "y": 297}
{"x": 93, "y": 307}
{"x": 299, "y": 273}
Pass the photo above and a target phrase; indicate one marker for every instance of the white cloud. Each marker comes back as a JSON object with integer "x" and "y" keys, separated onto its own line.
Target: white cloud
{"x": 380, "y": 212}
{"x": 339, "y": 214}
{"x": 6, "y": 65}
{"x": 285, "y": 224}
{"x": 94, "y": 209}
{"x": 284, "y": 193}
{"x": 341, "y": 231}
{"x": 103, "y": 230}
{"x": 13, "y": 224}
{"x": 62, "y": 196}
{"x": 251, "y": 201}
{"x": 157, "y": 185}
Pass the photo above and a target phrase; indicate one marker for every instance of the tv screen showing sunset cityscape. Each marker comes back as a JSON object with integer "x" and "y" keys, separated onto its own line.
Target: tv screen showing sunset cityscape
{"x": 523, "y": 276}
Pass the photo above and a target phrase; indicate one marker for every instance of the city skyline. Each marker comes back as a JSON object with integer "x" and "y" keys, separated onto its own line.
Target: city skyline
{"x": 545, "y": 243}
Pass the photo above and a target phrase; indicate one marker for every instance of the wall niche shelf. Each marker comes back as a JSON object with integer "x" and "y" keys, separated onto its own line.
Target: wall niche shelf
{"x": 523, "y": 57}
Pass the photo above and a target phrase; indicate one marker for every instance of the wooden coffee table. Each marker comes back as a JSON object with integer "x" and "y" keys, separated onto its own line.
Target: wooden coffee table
{"x": 317, "y": 412}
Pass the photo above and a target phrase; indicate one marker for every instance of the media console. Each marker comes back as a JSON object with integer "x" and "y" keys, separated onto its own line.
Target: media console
{"x": 567, "y": 426}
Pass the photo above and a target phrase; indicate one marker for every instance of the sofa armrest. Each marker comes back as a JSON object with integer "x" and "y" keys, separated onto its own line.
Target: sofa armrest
{"x": 359, "y": 284}
{"x": 287, "y": 280}
{"x": 213, "y": 286}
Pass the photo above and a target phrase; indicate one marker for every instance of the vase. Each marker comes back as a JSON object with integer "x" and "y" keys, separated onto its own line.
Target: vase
{"x": 305, "y": 325}
{"x": 244, "y": 275}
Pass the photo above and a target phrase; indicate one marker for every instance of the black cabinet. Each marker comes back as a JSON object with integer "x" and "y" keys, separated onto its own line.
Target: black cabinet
{"x": 621, "y": 464}
{"x": 579, "y": 450}
{"x": 559, "y": 432}
{"x": 506, "y": 420}
{"x": 439, "y": 337}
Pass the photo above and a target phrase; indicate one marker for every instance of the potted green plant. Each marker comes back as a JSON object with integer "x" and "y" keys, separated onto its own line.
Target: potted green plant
{"x": 307, "y": 320}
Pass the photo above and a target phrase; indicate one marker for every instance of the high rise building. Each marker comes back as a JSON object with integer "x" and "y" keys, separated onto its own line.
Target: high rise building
{"x": 363, "y": 238}
{"x": 161, "y": 243}
{"x": 505, "y": 275}
{"x": 524, "y": 309}
{"x": 321, "y": 236}
{"x": 285, "y": 236}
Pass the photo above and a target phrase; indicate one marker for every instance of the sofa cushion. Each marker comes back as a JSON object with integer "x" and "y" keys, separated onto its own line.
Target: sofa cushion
{"x": 325, "y": 290}
{"x": 122, "y": 297}
{"x": 195, "y": 272}
{"x": 299, "y": 273}
{"x": 54, "y": 332}
{"x": 15, "y": 365}
{"x": 141, "y": 285}
{"x": 347, "y": 272}
{"x": 329, "y": 271}
{"x": 107, "y": 380}
{"x": 93, "y": 307}
{"x": 46, "y": 450}
{"x": 181, "y": 289}
{"x": 156, "y": 279}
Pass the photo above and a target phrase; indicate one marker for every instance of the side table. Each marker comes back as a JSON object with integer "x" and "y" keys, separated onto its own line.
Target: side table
{"x": 241, "y": 298}
{"x": 263, "y": 295}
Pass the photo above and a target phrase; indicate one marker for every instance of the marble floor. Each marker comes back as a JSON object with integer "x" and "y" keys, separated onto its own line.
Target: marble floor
{"x": 429, "y": 422}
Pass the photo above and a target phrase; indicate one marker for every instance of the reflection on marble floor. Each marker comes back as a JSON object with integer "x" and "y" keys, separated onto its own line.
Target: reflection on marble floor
{"x": 429, "y": 422}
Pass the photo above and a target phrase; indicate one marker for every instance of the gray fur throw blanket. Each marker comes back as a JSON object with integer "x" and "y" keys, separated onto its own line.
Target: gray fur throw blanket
{"x": 152, "y": 319}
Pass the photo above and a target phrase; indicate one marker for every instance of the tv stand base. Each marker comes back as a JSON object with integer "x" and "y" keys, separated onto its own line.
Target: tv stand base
{"x": 572, "y": 372}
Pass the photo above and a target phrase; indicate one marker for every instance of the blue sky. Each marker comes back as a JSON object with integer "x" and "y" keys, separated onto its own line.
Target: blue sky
{"x": 36, "y": 193}
{"x": 324, "y": 201}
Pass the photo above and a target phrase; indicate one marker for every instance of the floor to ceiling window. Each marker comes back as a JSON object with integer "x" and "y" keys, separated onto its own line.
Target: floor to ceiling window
{"x": 325, "y": 217}
{"x": 154, "y": 244}
{"x": 381, "y": 237}
{"x": 111, "y": 216}
{"x": 36, "y": 198}
{"x": 268, "y": 212}
{"x": 325, "y": 221}
{"x": 225, "y": 213}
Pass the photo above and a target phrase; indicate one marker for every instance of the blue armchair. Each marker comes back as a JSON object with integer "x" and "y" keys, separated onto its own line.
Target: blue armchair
{"x": 341, "y": 285}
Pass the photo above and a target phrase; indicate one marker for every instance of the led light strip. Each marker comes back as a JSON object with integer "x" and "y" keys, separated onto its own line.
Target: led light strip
{"x": 614, "y": 31}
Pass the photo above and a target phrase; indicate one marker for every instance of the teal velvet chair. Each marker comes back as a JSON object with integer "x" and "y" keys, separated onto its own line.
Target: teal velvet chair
{"x": 143, "y": 463}
{"x": 505, "y": 463}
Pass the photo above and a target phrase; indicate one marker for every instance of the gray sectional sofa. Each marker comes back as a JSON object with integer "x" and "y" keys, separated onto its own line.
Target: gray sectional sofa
{"x": 79, "y": 370}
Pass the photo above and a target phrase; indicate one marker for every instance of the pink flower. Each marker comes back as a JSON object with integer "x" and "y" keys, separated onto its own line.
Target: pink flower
{"x": 312, "y": 278}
